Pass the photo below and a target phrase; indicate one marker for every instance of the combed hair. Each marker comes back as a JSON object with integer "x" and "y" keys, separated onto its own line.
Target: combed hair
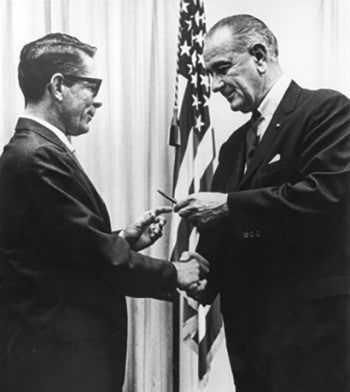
{"x": 247, "y": 30}
{"x": 44, "y": 57}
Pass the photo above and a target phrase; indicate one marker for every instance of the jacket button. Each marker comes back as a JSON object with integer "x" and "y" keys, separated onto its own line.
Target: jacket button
{"x": 245, "y": 234}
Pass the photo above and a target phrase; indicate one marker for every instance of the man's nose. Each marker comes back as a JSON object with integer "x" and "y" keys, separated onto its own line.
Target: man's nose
{"x": 217, "y": 83}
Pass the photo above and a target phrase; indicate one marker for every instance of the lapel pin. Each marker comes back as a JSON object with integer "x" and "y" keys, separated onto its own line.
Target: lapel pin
{"x": 278, "y": 125}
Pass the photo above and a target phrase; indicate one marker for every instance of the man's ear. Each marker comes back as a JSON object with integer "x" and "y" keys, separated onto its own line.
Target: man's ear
{"x": 55, "y": 86}
{"x": 259, "y": 52}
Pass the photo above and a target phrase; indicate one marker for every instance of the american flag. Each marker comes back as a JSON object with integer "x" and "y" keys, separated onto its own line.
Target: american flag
{"x": 193, "y": 138}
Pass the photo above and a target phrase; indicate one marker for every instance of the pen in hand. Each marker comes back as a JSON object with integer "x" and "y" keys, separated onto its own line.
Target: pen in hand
{"x": 167, "y": 197}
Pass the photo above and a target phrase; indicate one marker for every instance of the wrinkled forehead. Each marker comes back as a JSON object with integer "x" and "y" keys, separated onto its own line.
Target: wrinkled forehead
{"x": 219, "y": 44}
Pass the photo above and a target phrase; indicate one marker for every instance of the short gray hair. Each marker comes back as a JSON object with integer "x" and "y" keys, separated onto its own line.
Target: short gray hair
{"x": 247, "y": 30}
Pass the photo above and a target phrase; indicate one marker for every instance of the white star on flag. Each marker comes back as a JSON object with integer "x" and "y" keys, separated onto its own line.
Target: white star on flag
{"x": 197, "y": 18}
{"x": 205, "y": 81}
{"x": 189, "y": 24}
{"x": 185, "y": 49}
{"x": 199, "y": 123}
{"x": 199, "y": 38}
{"x": 194, "y": 58}
{"x": 190, "y": 68}
{"x": 194, "y": 80}
{"x": 184, "y": 7}
{"x": 196, "y": 101}
{"x": 201, "y": 60}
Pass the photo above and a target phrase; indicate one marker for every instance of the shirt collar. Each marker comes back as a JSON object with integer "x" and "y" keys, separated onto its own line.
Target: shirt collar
{"x": 273, "y": 98}
{"x": 53, "y": 129}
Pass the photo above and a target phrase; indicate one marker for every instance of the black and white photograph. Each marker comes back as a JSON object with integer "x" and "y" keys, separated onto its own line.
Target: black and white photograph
{"x": 174, "y": 196}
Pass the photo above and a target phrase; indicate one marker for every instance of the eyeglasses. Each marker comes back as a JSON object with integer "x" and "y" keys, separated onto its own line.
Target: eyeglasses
{"x": 94, "y": 83}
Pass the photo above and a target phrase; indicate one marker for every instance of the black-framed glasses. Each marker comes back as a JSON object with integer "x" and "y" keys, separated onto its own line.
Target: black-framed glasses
{"x": 93, "y": 82}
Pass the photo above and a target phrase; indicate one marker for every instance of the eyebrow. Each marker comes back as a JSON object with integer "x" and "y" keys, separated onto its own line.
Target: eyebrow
{"x": 218, "y": 65}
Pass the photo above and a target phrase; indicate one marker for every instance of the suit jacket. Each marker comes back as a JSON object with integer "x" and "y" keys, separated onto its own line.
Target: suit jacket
{"x": 64, "y": 273}
{"x": 286, "y": 240}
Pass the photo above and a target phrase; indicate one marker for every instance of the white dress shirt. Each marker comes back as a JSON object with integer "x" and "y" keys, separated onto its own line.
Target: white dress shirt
{"x": 269, "y": 104}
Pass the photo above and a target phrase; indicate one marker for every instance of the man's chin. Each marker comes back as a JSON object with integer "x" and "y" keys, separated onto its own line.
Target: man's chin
{"x": 84, "y": 126}
{"x": 81, "y": 130}
{"x": 84, "y": 130}
{"x": 235, "y": 106}
{"x": 239, "y": 106}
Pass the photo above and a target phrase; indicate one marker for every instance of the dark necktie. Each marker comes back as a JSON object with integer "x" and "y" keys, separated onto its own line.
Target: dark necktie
{"x": 252, "y": 138}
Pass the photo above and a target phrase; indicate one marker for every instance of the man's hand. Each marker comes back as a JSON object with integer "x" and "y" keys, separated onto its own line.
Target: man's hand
{"x": 146, "y": 229}
{"x": 191, "y": 269}
{"x": 204, "y": 208}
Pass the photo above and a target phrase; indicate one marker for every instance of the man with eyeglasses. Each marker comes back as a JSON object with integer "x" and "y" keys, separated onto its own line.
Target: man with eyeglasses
{"x": 64, "y": 274}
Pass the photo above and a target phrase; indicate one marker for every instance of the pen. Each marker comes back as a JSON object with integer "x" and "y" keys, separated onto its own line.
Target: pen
{"x": 167, "y": 197}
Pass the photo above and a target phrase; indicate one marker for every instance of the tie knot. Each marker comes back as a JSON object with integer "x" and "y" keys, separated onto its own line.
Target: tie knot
{"x": 255, "y": 115}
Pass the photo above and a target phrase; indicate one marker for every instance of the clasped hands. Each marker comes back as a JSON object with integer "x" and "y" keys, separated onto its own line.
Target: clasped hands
{"x": 192, "y": 271}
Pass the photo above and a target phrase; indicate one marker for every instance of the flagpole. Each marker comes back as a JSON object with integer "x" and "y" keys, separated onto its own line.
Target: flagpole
{"x": 176, "y": 344}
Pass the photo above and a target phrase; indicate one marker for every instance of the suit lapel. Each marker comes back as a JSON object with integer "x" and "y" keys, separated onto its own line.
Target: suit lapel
{"x": 237, "y": 161}
{"x": 286, "y": 106}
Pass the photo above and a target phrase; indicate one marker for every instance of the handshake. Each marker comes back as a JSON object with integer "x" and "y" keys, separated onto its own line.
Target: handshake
{"x": 192, "y": 270}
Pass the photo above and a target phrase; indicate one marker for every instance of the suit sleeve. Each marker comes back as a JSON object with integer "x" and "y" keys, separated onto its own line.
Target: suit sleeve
{"x": 74, "y": 231}
{"x": 321, "y": 193}
{"x": 210, "y": 246}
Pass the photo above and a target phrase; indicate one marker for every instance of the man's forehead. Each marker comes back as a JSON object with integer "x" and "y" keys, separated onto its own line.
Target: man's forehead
{"x": 221, "y": 42}
{"x": 89, "y": 66}
{"x": 220, "y": 35}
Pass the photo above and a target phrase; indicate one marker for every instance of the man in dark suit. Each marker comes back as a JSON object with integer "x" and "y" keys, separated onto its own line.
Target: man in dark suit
{"x": 64, "y": 273}
{"x": 275, "y": 227}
